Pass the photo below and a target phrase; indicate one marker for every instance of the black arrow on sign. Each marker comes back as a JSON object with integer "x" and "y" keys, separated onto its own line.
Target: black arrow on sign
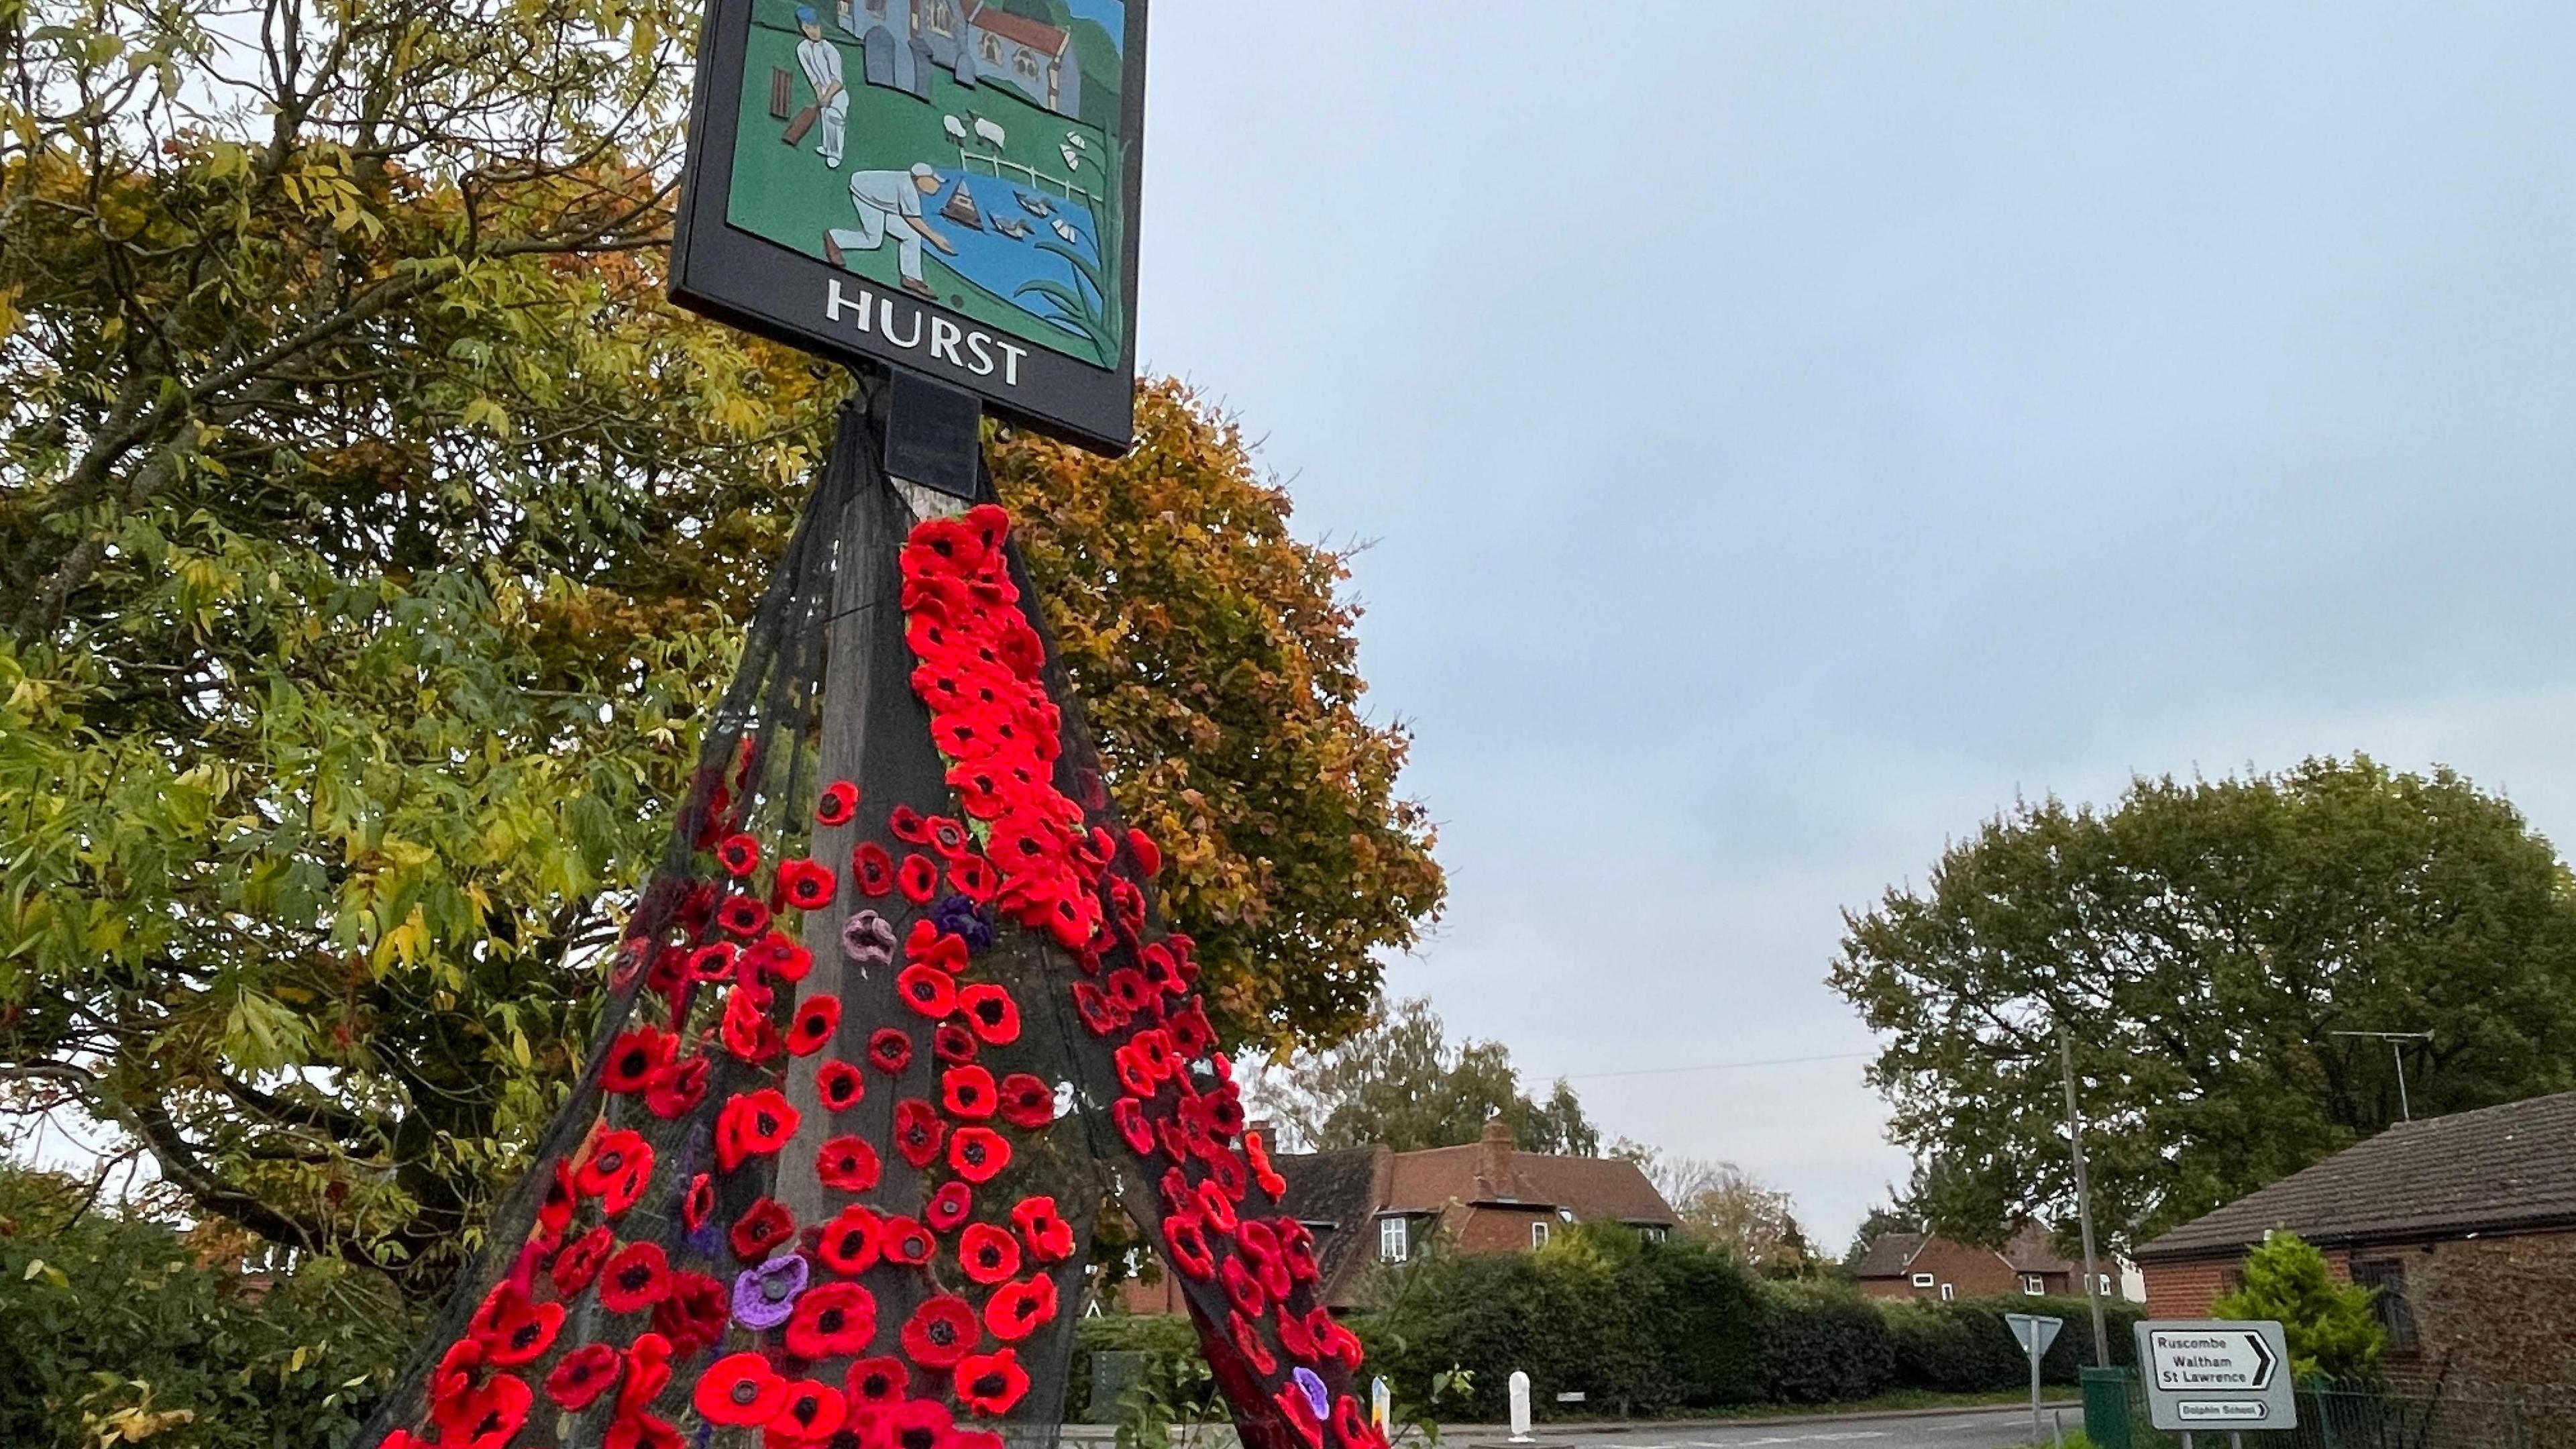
{"x": 2263, "y": 1360}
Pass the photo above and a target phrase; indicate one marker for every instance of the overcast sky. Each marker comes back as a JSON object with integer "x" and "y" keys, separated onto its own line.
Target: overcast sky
{"x": 1789, "y": 431}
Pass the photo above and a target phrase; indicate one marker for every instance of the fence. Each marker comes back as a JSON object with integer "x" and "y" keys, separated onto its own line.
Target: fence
{"x": 2423, "y": 1414}
{"x": 1038, "y": 181}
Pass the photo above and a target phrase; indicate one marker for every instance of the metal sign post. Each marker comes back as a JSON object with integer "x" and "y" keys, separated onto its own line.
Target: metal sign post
{"x": 2035, "y": 1334}
{"x": 2206, "y": 1374}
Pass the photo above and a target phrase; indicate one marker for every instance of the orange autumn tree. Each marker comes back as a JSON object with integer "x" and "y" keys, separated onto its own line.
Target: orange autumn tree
{"x": 1216, "y": 656}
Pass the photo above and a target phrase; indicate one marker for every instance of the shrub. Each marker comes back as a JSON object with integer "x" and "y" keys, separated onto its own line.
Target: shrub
{"x": 1823, "y": 1344}
{"x": 1635, "y": 1327}
{"x": 1958, "y": 1348}
{"x": 2329, "y": 1325}
{"x": 1174, "y": 1373}
{"x": 114, "y": 1331}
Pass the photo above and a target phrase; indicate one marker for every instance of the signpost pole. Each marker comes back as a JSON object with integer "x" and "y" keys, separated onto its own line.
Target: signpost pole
{"x": 2034, "y": 1334}
{"x": 2036, "y": 1432}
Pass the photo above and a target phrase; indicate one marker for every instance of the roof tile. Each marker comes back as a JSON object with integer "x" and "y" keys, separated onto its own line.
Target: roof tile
{"x": 2512, "y": 1166}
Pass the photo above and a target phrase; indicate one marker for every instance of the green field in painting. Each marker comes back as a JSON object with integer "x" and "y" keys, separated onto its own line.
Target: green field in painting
{"x": 786, "y": 195}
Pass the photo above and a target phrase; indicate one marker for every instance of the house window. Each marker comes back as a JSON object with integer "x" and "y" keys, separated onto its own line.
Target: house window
{"x": 1391, "y": 1241}
{"x": 1538, "y": 1234}
{"x": 2033, "y": 1284}
{"x": 2396, "y": 1316}
{"x": 1949, "y": 1291}
{"x": 877, "y": 8}
{"x": 990, "y": 48}
{"x": 942, "y": 16}
{"x": 1922, "y": 1280}
{"x": 1655, "y": 1232}
{"x": 1026, "y": 63}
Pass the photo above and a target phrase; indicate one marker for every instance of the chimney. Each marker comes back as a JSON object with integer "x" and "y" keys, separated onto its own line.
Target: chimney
{"x": 1260, "y": 1127}
{"x": 1494, "y": 1161}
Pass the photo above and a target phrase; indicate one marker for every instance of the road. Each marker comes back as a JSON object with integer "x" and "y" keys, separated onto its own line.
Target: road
{"x": 2000, "y": 1428}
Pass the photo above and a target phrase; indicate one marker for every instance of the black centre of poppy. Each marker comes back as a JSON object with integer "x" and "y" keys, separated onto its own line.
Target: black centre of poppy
{"x": 746, "y": 1393}
{"x": 975, "y": 1154}
{"x": 941, "y": 1332}
{"x": 806, "y": 1408}
{"x": 525, "y": 1335}
{"x": 633, "y": 1279}
{"x": 830, "y": 1320}
{"x": 990, "y": 1385}
{"x": 917, "y": 1439}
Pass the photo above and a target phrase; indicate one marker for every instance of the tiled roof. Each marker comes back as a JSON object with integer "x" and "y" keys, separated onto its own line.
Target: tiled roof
{"x": 2508, "y": 1167}
{"x": 2034, "y": 1250}
{"x": 1588, "y": 1187}
{"x": 1019, "y": 29}
{"x": 1887, "y": 1256}
{"x": 1592, "y": 1187}
{"x": 1339, "y": 1188}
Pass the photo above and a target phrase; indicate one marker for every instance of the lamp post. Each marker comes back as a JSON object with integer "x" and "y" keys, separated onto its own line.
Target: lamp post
{"x": 2083, "y": 1197}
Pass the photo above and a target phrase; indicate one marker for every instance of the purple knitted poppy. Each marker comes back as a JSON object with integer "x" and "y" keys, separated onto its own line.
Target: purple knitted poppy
{"x": 765, "y": 1297}
{"x": 866, "y": 937}
{"x": 1311, "y": 1384}
{"x": 961, "y": 915}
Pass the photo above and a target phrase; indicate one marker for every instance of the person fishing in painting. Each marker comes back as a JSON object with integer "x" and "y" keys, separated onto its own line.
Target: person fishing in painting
{"x": 889, "y": 204}
{"x": 821, "y": 62}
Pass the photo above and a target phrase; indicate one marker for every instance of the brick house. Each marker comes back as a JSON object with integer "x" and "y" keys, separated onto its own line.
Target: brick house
{"x": 1371, "y": 1207}
{"x": 1930, "y": 1266}
{"x": 2466, "y": 1224}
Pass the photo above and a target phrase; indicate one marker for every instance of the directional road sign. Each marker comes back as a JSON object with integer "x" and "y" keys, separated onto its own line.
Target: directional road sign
{"x": 2213, "y": 1374}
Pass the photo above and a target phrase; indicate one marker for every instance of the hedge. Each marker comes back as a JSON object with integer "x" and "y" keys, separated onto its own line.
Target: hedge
{"x": 1635, "y": 1327}
{"x": 1643, "y": 1328}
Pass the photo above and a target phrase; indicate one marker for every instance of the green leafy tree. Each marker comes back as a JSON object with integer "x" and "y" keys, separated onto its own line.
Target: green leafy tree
{"x": 124, "y": 1330}
{"x": 372, "y": 537}
{"x": 1402, "y": 1082}
{"x": 2202, "y": 942}
{"x": 2330, "y": 1327}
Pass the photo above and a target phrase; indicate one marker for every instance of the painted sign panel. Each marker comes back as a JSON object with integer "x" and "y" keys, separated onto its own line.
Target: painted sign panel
{"x": 2216, "y": 1374}
{"x": 949, "y": 186}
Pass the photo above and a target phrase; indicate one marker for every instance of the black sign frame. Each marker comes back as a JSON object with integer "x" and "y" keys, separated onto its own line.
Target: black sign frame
{"x": 773, "y": 291}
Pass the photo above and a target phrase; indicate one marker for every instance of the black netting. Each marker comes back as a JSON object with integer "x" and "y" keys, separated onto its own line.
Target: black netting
{"x": 891, "y": 1020}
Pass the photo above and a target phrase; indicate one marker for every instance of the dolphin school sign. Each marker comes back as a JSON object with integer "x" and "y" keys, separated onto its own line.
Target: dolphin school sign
{"x": 945, "y": 186}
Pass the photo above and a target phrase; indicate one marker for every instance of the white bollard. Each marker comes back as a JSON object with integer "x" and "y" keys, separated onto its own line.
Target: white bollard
{"x": 1520, "y": 1407}
{"x": 1381, "y": 1404}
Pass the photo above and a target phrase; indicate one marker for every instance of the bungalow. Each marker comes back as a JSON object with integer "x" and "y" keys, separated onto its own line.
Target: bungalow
{"x": 2466, "y": 1225}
